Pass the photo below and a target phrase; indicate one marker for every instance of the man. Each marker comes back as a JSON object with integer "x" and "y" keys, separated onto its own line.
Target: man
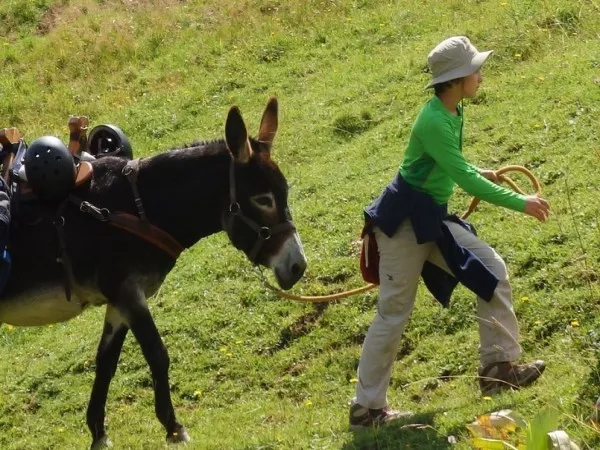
{"x": 416, "y": 237}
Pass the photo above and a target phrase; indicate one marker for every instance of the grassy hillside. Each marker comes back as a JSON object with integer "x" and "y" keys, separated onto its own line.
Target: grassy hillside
{"x": 251, "y": 371}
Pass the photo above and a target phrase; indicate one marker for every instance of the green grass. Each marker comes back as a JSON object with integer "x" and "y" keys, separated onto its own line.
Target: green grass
{"x": 251, "y": 371}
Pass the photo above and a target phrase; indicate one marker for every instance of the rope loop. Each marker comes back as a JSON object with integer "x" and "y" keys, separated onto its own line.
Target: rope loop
{"x": 505, "y": 179}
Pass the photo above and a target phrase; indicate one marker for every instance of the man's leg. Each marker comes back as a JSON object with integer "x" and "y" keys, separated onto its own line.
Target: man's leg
{"x": 498, "y": 326}
{"x": 401, "y": 262}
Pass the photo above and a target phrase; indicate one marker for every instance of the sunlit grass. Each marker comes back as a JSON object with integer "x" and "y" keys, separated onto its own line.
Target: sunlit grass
{"x": 249, "y": 370}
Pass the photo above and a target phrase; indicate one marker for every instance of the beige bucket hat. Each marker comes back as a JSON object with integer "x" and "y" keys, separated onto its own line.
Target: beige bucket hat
{"x": 454, "y": 58}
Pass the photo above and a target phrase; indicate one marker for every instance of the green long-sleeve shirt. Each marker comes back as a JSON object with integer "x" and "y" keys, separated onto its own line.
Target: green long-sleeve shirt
{"x": 434, "y": 163}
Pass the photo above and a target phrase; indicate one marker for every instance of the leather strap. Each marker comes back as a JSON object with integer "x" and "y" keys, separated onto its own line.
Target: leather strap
{"x": 263, "y": 233}
{"x": 146, "y": 231}
{"x": 131, "y": 171}
{"x": 63, "y": 257}
{"x": 133, "y": 224}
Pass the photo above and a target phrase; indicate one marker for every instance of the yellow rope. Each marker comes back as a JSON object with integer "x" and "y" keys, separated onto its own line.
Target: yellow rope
{"x": 503, "y": 178}
{"x": 319, "y": 298}
{"x": 330, "y": 297}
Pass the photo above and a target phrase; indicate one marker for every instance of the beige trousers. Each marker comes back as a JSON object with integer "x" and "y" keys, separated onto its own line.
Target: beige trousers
{"x": 401, "y": 262}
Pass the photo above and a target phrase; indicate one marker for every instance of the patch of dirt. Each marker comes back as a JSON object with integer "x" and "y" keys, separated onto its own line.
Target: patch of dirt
{"x": 59, "y": 14}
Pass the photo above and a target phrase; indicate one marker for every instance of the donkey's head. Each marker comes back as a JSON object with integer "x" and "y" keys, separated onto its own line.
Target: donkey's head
{"x": 257, "y": 219}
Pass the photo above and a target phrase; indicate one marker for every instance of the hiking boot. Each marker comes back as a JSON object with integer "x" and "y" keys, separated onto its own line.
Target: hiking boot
{"x": 499, "y": 376}
{"x": 362, "y": 418}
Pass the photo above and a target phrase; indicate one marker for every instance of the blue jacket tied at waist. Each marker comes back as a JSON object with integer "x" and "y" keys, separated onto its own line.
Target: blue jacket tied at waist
{"x": 400, "y": 201}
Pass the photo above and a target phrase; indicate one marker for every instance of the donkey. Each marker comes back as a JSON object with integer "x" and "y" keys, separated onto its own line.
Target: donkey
{"x": 183, "y": 195}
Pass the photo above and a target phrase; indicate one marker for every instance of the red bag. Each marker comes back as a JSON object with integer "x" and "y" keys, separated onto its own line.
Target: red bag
{"x": 369, "y": 256}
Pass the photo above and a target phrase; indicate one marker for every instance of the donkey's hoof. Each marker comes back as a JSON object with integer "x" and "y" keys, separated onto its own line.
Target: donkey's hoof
{"x": 180, "y": 436}
{"x": 102, "y": 443}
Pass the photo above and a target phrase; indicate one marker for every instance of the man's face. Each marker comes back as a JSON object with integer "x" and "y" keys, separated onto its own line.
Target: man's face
{"x": 471, "y": 84}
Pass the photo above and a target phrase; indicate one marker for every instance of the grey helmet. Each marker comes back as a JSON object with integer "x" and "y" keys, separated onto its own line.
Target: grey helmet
{"x": 50, "y": 168}
{"x": 109, "y": 140}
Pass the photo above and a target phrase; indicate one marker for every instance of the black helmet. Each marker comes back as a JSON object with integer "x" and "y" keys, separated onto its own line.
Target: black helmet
{"x": 109, "y": 140}
{"x": 49, "y": 167}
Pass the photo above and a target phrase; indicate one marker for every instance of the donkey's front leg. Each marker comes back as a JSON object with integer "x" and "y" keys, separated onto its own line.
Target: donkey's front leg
{"x": 134, "y": 308}
{"x": 107, "y": 357}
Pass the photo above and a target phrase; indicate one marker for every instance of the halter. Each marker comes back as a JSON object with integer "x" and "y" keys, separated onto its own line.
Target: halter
{"x": 235, "y": 210}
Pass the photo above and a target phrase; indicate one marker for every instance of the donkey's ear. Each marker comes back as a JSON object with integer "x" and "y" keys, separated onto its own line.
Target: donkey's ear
{"x": 236, "y": 136}
{"x": 268, "y": 123}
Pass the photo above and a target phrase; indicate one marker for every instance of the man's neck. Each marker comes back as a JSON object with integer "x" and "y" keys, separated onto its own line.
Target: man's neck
{"x": 450, "y": 99}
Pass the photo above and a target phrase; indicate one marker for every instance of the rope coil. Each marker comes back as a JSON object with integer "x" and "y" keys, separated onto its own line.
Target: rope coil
{"x": 474, "y": 202}
{"x": 503, "y": 178}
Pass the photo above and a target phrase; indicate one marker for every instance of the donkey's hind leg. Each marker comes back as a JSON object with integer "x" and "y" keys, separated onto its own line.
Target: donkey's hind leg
{"x": 107, "y": 357}
{"x": 135, "y": 310}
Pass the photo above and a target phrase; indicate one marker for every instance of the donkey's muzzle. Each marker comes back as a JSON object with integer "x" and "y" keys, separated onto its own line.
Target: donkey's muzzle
{"x": 287, "y": 279}
{"x": 290, "y": 263}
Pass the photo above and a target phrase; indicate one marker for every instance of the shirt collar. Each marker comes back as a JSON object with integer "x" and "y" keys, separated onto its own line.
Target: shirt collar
{"x": 437, "y": 104}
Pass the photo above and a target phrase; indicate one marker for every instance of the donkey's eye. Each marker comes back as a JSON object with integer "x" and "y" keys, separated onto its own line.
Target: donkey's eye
{"x": 265, "y": 201}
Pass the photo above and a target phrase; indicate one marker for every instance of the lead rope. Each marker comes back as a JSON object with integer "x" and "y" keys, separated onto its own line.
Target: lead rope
{"x": 313, "y": 298}
{"x": 474, "y": 202}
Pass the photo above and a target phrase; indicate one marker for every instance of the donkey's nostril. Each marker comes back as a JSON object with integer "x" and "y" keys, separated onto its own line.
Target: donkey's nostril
{"x": 295, "y": 269}
{"x": 298, "y": 269}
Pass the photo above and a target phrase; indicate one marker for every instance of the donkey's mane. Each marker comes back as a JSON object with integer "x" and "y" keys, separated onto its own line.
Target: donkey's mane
{"x": 204, "y": 144}
{"x": 200, "y": 151}
{"x": 197, "y": 150}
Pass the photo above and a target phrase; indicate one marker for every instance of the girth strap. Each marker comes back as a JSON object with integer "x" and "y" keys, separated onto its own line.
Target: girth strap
{"x": 63, "y": 257}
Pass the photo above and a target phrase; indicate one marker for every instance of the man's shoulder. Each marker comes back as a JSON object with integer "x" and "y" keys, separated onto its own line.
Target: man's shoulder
{"x": 430, "y": 120}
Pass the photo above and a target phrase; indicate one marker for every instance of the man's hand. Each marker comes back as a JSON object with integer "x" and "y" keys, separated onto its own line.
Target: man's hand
{"x": 537, "y": 207}
{"x": 490, "y": 175}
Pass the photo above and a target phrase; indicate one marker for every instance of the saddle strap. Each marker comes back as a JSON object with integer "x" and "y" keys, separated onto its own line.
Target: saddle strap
{"x": 63, "y": 257}
{"x": 133, "y": 224}
{"x": 146, "y": 231}
{"x": 131, "y": 171}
